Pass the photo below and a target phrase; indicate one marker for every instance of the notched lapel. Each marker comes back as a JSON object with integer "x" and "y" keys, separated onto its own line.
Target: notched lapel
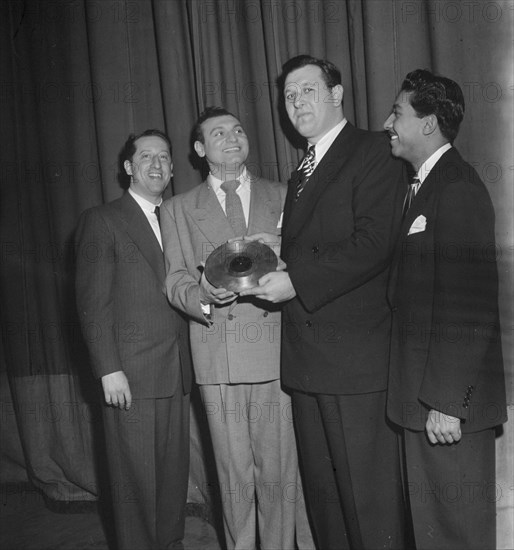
{"x": 264, "y": 214}
{"x": 139, "y": 230}
{"x": 324, "y": 174}
{"x": 210, "y": 218}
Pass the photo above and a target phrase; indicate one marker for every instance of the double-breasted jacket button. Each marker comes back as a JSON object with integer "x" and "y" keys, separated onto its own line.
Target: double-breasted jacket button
{"x": 315, "y": 249}
{"x": 230, "y": 317}
{"x": 308, "y": 323}
{"x": 265, "y": 314}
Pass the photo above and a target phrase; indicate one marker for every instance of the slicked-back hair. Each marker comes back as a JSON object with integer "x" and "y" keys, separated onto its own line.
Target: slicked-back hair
{"x": 436, "y": 95}
{"x": 130, "y": 145}
{"x": 331, "y": 74}
{"x": 209, "y": 112}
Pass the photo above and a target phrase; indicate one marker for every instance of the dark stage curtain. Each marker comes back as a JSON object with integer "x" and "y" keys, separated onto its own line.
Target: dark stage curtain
{"x": 77, "y": 76}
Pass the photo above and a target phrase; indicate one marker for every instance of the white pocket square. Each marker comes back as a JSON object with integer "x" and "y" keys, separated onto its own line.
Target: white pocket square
{"x": 418, "y": 225}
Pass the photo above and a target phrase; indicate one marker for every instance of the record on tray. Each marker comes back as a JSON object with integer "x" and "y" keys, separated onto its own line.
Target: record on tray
{"x": 238, "y": 265}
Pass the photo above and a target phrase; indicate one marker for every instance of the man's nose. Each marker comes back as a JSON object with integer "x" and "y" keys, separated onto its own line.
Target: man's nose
{"x": 388, "y": 122}
{"x": 156, "y": 161}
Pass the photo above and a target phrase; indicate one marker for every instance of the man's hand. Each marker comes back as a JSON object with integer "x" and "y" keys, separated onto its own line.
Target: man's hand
{"x": 117, "y": 390}
{"x": 211, "y": 295}
{"x": 275, "y": 287}
{"x": 442, "y": 428}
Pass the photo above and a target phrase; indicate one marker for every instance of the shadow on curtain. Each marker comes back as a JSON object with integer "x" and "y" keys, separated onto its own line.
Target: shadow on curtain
{"x": 80, "y": 75}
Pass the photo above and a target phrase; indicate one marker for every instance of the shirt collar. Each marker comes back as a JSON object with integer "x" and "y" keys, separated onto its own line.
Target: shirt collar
{"x": 146, "y": 205}
{"x": 215, "y": 183}
{"x": 431, "y": 161}
{"x": 326, "y": 141}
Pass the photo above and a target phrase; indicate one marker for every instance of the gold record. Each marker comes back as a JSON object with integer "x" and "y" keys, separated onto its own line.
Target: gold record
{"x": 238, "y": 265}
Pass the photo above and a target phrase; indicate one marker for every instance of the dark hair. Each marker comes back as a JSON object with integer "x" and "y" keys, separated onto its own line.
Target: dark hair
{"x": 130, "y": 145}
{"x": 209, "y": 112}
{"x": 331, "y": 74}
{"x": 439, "y": 96}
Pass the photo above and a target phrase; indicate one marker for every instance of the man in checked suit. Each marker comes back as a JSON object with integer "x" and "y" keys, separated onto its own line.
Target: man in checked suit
{"x": 236, "y": 342}
{"x": 446, "y": 384}
{"x": 341, "y": 221}
{"x": 139, "y": 349}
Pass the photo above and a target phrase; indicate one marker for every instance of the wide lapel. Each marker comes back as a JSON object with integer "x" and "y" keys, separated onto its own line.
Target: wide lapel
{"x": 324, "y": 174}
{"x": 210, "y": 218}
{"x": 263, "y": 212}
{"x": 421, "y": 205}
{"x": 141, "y": 233}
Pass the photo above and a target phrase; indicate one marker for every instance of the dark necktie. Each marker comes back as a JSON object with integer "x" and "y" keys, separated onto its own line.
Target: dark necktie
{"x": 305, "y": 170}
{"x": 411, "y": 193}
{"x": 157, "y": 213}
{"x": 234, "y": 207}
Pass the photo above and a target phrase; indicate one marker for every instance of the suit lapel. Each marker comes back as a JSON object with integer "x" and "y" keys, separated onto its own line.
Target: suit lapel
{"x": 141, "y": 233}
{"x": 422, "y": 205}
{"x": 209, "y": 216}
{"x": 297, "y": 213}
{"x": 263, "y": 213}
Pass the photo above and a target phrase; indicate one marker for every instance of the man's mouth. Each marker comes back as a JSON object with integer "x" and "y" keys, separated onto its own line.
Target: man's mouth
{"x": 234, "y": 149}
{"x": 155, "y": 175}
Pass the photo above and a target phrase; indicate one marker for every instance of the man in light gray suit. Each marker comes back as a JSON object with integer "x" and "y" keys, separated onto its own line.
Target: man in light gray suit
{"x": 236, "y": 342}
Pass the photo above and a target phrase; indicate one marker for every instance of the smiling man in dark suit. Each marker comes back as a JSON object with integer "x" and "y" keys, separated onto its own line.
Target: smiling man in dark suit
{"x": 341, "y": 221}
{"x": 446, "y": 385}
{"x": 139, "y": 349}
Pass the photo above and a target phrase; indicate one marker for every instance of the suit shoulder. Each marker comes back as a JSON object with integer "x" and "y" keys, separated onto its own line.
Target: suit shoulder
{"x": 186, "y": 197}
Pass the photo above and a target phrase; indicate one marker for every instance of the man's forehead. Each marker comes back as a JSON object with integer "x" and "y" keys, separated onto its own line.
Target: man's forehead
{"x": 306, "y": 74}
{"x": 402, "y": 98}
{"x": 151, "y": 142}
{"x": 222, "y": 121}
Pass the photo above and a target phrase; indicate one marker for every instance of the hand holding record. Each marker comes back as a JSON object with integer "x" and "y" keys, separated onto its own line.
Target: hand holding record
{"x": 238, "y": 265}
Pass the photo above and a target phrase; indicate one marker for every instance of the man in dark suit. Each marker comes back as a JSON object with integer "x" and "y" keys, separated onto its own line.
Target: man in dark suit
{"x": 236, "y": 343}
{"x": 446, "y": 384}
{"x": 139, "y": 349}
{"x": 341, "y": 221}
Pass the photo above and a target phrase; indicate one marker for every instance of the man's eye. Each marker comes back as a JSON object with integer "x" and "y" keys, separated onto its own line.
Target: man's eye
{"x": 290, "y": 97}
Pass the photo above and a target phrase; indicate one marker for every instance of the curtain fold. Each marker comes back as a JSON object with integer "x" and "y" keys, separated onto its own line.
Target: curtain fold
{"x": 79, "y": 75}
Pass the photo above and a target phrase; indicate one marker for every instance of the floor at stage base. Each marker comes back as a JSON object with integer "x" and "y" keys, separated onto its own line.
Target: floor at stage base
{"x": 26, "y": 523}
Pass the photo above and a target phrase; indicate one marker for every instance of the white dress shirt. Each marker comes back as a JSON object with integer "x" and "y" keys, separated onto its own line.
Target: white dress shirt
{"x": 148, "y": 209}
{"x": 431, "y": 161}
{"x": 244, "y": 191}
{"x": 326, "y": 141}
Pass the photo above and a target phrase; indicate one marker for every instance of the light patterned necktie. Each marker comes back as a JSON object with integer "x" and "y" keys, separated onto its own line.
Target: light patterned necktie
{"x": 414, "y": 185}
{"x": 234, "y": 207}
{"x": 305, "y": 170}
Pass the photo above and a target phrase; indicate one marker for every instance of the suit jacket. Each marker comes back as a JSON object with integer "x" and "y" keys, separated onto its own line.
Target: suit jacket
{"x": 127, "y": 322}
{"x": 241, "y": 344}
{"x": 337, "y": 242}
{"x": 446, "y": 346}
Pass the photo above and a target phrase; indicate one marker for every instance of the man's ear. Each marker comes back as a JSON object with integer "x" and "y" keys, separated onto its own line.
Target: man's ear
{"x": 199, "y": 148}
{"x": 337, "y": 94}
{"x": 430, "y": 125}
{"x": 128, "y": 167}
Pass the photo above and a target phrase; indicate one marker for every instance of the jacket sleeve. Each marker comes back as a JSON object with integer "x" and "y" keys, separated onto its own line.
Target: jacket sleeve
{"x": 182, "y": 288}
{"x": 95, "y": 279}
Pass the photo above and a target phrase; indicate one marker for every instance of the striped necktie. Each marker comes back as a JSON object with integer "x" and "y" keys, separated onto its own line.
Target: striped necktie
{"x": 305, "y": 170}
